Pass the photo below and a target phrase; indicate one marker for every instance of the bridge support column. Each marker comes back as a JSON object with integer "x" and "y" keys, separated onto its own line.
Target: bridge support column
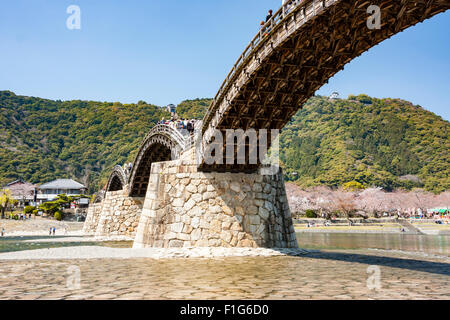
{"x": 92, "y": 217}
{"x": 119, "y": 214}
{"x": 187, "y": 208}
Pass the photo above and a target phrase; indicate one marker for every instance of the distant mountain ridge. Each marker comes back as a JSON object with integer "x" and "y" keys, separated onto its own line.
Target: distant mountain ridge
{"x": 377, "y": 142}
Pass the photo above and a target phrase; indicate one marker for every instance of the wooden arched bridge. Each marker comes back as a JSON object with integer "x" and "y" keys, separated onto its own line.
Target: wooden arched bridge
{"x": 297, "y": 51}
{"x": 304, "y": 44}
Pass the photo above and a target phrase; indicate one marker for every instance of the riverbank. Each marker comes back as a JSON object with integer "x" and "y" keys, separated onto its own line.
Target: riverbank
{"x": 97, "y": 252}
{"x": 314, "y": 275}
{"x": 388, "y": 226}
{"x": 38, "y": 226}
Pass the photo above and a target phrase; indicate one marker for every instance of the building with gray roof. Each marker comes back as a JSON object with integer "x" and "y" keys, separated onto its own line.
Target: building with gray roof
{"x": 49, "y": 191}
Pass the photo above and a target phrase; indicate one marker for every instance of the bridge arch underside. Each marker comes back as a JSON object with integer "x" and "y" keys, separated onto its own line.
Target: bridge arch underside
{"x": 299, "y": 57}
{"x": 117, "y": 180}
{"x": 156, "y": 149}
{"x": 116, "y": 184}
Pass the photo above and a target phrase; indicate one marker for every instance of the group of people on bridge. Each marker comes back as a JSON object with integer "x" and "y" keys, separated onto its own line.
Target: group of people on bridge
{"x": 286, "y": 4}
{"x": 183, "y": 124}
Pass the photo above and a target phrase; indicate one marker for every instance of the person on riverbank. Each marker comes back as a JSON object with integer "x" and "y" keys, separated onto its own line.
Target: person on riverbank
{"x": 54, "y": 230}
{"x": 3, "y": 232}
{"x": 50, "y": 231}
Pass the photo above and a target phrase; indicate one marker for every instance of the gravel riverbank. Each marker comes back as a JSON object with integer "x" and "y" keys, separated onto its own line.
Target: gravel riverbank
{"x": 96, "y": 252}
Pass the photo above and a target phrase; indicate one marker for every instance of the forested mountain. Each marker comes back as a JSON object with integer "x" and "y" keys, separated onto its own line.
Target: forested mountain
{"x": 388, "y": 143}
{"x": 42, "y": 139}
{"x": 376, "y": 142}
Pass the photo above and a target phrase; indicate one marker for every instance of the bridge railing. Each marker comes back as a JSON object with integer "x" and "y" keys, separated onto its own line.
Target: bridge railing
{"x": 287, "y": 10}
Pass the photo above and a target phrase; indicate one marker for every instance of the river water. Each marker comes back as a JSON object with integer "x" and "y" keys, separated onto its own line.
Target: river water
{"x": 436, "y": 245}
{"x": 430, "y": 244}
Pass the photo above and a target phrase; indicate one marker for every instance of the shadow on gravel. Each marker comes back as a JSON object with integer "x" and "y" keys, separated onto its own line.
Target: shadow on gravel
{"x": 411, "y": 264}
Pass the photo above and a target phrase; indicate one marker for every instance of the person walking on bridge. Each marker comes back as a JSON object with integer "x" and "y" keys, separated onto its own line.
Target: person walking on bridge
{"x": 286, "y": 6}
{"x": 190, "y": 127}
{"x": 269, "y": 16}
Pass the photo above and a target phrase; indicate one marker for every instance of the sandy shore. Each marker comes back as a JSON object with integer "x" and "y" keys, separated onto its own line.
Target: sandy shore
{"x": 98, "y": 252}
{"x": 40, "y": 226}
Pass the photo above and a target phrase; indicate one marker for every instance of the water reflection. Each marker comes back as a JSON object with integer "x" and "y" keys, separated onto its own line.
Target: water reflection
{"x": 439, "y": 245}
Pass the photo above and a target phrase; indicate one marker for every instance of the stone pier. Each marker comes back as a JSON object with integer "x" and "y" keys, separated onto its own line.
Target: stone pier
{"x": 184, "y": 208}
{"x": 117, "y": 214}
{"x": 92, "y": 218}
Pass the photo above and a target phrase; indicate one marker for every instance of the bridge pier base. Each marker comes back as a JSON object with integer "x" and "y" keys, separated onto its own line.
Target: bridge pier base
{"x": 117, "y": 214}
{"x": 187, "y": 208}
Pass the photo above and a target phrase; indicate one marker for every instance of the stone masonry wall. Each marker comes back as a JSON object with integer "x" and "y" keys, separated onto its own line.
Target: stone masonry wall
{"x": 119, "y": 214}
{"x": 186, "y": 208}
{"x": 92, "y": 218}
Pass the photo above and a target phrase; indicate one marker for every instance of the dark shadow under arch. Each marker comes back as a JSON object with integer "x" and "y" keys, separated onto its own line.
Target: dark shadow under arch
{"x": 162, "y": 143}
{"x": 155, "y": 153}
{"x": 117, "y": 180}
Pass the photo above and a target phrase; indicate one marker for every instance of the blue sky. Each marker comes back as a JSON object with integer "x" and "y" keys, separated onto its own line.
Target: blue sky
{"x": 164, "y": 52}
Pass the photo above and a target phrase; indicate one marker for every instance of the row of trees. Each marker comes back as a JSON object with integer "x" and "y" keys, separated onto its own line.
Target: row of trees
{"x": 357, "y": 202}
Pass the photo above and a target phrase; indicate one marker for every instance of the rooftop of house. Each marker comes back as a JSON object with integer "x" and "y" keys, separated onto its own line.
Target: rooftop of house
{"x": 62, "y": 184}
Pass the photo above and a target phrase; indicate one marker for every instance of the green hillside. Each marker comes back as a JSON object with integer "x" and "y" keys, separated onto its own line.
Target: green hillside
{"x": 383, "y": 142}
{"x": 377, "y": 142}
{"x": 41, "y": 139}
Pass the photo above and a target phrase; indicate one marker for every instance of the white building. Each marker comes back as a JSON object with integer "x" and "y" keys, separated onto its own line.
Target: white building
{"x": 50, "y": 191}
{"x": 172, "y": 108}
{"x": 334, "y": 96}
